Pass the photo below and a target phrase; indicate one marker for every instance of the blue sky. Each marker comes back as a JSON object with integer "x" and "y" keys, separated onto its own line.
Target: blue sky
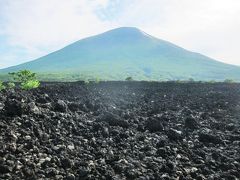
{"x": 32, "y": 28}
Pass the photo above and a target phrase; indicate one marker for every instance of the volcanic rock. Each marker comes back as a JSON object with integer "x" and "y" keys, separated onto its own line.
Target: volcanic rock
{"x": 61, "y": 106}
{"x": 154, "y": 125}
{"x": 113, "y": 120}
{"x": 191, "y": 123}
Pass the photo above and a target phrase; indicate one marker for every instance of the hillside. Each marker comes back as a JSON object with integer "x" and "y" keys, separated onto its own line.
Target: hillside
{"x": 123, "y": 52}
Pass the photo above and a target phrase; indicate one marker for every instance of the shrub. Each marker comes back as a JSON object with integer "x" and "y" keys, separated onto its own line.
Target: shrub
{"x": 27, "y": 79}
{"x": 2, "y": 87}
{"x": 23, "y": 75}
{"x": 212, "y": 81}
{"x": 191, "y": 80}
{"x": 97, "y": 80}
{"x": 129, "y": 78}
{"x": 30, "y": 84}
{"x": 228, "y": 81}
{"x": 11, "y": 85}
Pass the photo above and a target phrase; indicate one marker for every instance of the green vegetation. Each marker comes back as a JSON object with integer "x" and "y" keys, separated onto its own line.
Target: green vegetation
{"x": 2, "y": 87}
{"x": 23, "y": 76}
{"x": 26, "y": 78}
{"x": 31, "y": 84}
{"x": 129, "y": 79}
{"x": 229, "y": 81}
{"x": 212, "y": 81}
{"x": 10, "y": 85}
{"x": 191, "y": 80}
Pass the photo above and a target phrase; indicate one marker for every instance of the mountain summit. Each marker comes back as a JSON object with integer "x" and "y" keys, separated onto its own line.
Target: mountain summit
{"x": 127, "y": 51}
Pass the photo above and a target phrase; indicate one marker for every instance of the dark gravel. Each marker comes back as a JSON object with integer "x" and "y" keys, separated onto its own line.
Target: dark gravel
{"x": 121, "y": 130}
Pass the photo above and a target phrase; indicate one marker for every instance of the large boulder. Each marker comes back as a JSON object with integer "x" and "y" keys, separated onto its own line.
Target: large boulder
{"x": 112, "y": 119}
{"x": 191, "y": 123}
{"x": 13, "y": 107}
{"x": 61, "y": 106}
{"x": 154, "y": 125}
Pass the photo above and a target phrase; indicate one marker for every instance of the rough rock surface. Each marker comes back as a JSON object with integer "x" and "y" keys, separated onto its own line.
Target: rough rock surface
{"x": 121, "y": 130}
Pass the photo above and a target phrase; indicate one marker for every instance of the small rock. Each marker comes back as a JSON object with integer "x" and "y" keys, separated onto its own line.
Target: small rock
{"x": 161, "y": 143}
{"x": 27, "y": 138}
{"x": 66, "y": 163}
{"x": 70, "y": 177}
{"x": 51, "y": 172}
{"x": 33, "y": 108}
{"x": 174, "y": 134}
{"x": 105, "y": 132}
{"x": 82, "y": 172}
{"x": 70, "y": 147}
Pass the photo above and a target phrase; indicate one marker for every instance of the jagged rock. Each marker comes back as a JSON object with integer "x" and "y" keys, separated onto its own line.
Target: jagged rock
{"x": 61, "y": 106}
{"x": 33, "y": 108}
{"x": 191, "y": 123}
{"x": 112, "y": 120}
{"x": 209, "y": 138}
{"x": 14, "y": 107}
{"x": 174, "y": 134}
{"x": 119, "y": 130}
{"x": 154, "y": 125}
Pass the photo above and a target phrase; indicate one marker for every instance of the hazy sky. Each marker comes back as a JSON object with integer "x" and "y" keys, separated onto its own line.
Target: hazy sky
{"x": 33, "y": 28}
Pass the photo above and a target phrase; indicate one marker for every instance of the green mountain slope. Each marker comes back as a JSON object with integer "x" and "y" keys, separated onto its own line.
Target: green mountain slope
{"x": 127, "y": 51}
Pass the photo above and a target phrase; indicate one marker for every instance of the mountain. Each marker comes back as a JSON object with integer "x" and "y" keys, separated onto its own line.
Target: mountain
{"x": 123, "y": 52}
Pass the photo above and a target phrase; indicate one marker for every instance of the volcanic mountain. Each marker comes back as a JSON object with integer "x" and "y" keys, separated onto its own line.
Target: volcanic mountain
{"x": 123, "y": 52}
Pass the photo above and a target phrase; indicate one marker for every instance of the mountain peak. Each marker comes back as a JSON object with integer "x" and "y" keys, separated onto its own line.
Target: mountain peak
{"x": 127, "y": 33}
{"x": 128, "y": 51}
{"x": 127, "y": 29}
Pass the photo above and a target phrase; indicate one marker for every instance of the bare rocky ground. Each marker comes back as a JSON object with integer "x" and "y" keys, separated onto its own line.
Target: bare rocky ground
{"x": 121, "y": 130}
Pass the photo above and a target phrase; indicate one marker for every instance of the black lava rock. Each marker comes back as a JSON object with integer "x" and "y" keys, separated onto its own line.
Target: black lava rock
{"x": 191, "y": 123}
{"x": 82, "y": 172}
{"x": 121, "y": 130}
{"x": 174, "y": 134}
{"x": 209, "y": 138}
{"x": 61, "y": 106}
{"x": 4, "y": 169}
{"x": 13, "y": 107}
{"x": 154, "y": 125}
{"x": 66, "y": 163}
{"x": 113, "y": 120}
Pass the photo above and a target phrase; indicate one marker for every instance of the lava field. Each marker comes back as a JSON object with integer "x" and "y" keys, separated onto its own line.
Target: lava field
{"x": 121, "y": 130}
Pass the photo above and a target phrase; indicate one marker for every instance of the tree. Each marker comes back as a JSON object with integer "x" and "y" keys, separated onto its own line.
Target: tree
{"x": 2, "y": 87}
{"x": 129, "y": 79}
{"x": 228, "y": 81}
{"x": 27, "y": 79}
{"x": 191, "y": 80}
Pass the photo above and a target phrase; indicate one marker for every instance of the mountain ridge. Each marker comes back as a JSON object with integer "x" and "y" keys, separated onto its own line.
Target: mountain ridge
{"x": 128, "y": 51}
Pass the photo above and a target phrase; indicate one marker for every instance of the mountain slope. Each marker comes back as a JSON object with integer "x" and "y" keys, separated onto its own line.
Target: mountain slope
{"x": 127, "y": 51}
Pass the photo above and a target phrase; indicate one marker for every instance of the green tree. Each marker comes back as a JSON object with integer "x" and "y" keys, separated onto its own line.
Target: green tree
{"x": 23, "y": 76}
{"x": 228, "y": 81}
{"x": 191, "y": 80}
{"x": 26, "y": 78}
{"x": 2, "y": 87}
{"x": 31, "y": 84}
{"x": 10, "y": 85}
{"x": 129, "y": 79}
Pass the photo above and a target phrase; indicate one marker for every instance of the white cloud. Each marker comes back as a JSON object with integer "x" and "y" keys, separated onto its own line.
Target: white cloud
{"x": 210, "y": 27}
{"x": 207, "y": 26}
{"x": 42, "y": 26}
